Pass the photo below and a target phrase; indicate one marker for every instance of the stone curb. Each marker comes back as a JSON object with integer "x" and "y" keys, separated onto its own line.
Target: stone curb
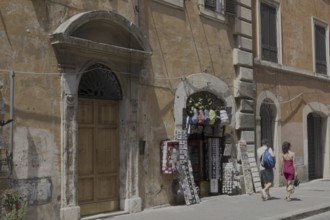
{"x": 302, "y": 213}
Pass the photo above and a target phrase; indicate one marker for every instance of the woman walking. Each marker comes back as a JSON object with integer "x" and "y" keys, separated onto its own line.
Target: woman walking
{"x": 288, "y": 168}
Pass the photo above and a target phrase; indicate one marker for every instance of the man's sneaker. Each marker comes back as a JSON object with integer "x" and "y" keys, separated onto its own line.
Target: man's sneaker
{"x": 268, "y": 196}
{"x": 263, "y": 195}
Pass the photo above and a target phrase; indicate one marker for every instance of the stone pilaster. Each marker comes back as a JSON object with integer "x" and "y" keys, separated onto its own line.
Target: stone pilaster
{"x": 244, "y": 87}
{"x": 69, "y": 206}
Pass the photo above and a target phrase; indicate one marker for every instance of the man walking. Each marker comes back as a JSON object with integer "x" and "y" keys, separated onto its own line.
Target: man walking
{"x": 266, "y": 171}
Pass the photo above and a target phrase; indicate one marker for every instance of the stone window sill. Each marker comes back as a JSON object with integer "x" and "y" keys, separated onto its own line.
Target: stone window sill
{"x": 172, "y": 3}
{"x": 217, "y": 16}
{"x": 294, "y": 70}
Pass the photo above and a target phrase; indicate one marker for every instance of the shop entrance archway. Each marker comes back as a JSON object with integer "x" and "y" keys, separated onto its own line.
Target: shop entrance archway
{"x": 207, "y": 116}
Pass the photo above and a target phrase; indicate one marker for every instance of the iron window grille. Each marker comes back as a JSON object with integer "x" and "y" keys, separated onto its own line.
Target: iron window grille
{"x": 99, "y": 82}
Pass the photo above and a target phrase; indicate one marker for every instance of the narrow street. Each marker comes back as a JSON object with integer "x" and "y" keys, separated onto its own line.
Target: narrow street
{"x": 311, "y": 197}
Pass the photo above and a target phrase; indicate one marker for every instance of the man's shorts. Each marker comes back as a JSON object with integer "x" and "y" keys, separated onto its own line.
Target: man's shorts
{"x": 267, "y": 176}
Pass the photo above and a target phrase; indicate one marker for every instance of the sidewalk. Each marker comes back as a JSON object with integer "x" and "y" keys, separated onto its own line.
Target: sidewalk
{"x": 309, "y": 199}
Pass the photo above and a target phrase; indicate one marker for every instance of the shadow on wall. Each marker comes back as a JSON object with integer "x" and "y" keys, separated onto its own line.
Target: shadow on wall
{"x": 27, "y": 115}
{"x": 42, "y": 13}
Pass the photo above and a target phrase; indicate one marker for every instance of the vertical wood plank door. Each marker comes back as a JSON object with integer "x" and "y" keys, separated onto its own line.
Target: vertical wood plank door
{"x": 98, "y": 156}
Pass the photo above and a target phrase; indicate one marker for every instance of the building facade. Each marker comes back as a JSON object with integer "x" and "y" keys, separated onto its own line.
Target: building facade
{"x": 95, "y": 88}
{"x": 291, "y": 70}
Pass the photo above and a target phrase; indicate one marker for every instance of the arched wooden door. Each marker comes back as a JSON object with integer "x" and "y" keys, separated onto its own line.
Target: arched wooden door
{"x": 267, "y": 121}
{"x": 98, "y": 142}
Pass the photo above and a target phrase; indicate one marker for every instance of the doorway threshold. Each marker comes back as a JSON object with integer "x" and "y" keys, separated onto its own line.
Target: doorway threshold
{"x": 103, "y": 216}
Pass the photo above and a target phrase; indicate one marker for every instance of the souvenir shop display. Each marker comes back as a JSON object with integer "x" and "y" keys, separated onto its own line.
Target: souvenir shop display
{"x": 214, "y": 164}
{"x": 230, "y": 181}
{"x": 227, "y": 178}
{"x": 206, "y": 116}
{"x": 186, "y": 178}
{"x": 202, "y": 142}
{"x": 247, "y": 173}
{"x": 170, "y": 156}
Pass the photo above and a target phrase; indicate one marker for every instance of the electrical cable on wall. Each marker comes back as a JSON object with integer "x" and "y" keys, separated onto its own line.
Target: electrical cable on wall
{"x": 159, "y": 78}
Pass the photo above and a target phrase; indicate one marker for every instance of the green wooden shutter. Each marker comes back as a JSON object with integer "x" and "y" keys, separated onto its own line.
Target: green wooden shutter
{"x": 268, "y": 33}
{"x": 230, "y": 7}
{"x": 320, "y": 51}
{"x": 211, "y": 4}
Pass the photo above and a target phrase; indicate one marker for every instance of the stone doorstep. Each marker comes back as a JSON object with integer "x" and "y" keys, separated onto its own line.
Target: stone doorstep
{"x": 104, "y": 216}
{"x": 302, "y": 213}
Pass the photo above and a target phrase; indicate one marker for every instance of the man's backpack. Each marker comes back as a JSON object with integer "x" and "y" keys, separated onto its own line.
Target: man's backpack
{"x": 267, "y": 160}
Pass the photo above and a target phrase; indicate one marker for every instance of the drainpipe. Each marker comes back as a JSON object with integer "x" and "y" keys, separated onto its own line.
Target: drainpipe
{"x": 11, "y": 112}
{"x": 137, "y": 12}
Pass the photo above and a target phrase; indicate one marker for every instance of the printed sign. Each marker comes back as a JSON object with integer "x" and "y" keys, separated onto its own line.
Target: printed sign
{"x": 214, "y": 155}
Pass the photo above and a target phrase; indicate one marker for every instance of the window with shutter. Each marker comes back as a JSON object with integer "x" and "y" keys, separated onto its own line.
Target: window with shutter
{"x": 210, "y": 4}
{"x": 213, "y": 9}
{"x": 268, "y": 16}
{"x": 230, "y": 7}
{"x": 320, "y": 49}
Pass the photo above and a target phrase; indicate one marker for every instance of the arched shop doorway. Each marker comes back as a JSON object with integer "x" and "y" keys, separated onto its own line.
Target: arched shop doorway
{"x": 209, "y": 145}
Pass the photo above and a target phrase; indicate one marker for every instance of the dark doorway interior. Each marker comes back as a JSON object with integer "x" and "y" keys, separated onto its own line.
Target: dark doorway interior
{"x": 315, "y": 149}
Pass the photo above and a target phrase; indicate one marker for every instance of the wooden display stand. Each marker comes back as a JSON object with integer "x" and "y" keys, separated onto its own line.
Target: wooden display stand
{"x": 250, "y": 170}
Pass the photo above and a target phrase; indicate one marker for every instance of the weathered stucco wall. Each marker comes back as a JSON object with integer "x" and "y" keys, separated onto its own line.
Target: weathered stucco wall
{"x": 24, "y": 38}
{"x": 297, "y": 24}
{"x": 293, "y": 92}
{"x": 293, "y": 82}
{"x": 183, "y": 43}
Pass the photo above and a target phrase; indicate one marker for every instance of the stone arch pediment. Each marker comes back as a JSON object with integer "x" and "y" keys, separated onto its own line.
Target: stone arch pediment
{"x": 100, "y": 33}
